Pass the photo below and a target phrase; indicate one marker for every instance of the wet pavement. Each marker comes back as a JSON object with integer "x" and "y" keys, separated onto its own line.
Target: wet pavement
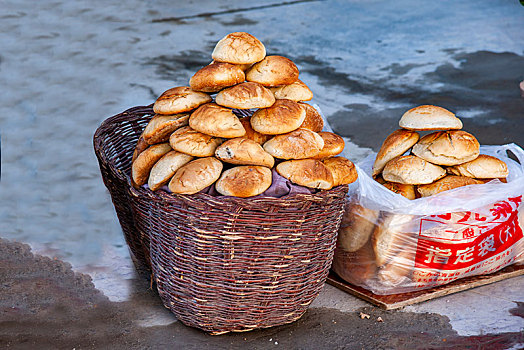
{"x": 46, "y": 305}
{"x": 66, "y": 66}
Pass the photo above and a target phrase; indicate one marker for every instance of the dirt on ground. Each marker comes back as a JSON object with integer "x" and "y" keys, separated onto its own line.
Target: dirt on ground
{"x": 45, "y": 305}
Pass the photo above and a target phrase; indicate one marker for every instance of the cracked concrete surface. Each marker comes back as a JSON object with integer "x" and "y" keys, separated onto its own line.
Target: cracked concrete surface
{"x": 66, "y": 66}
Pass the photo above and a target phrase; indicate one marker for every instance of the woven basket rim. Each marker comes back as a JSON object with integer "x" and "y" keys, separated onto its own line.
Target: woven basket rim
{"x": 173, "y": 197}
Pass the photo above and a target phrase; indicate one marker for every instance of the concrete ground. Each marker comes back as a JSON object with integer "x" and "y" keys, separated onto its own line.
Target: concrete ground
{"x": 66, "y": 66}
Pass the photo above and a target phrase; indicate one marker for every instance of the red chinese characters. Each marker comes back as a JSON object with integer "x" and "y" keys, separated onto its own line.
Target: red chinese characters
{"x": 479, "y": 243}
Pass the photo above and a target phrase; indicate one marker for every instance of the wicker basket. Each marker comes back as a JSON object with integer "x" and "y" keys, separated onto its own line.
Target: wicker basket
{"x": 221, "y": 264}
{"x": 114, "y": 142}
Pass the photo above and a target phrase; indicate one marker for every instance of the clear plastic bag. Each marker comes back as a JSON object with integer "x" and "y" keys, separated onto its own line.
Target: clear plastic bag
{"x": 389, "y": 244}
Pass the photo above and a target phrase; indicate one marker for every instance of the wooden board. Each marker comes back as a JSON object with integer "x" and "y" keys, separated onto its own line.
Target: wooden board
{"x": 395, "y": 301}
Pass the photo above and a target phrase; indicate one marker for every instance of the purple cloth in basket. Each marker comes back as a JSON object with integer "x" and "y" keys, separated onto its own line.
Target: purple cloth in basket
{"x": 280, "y": 187}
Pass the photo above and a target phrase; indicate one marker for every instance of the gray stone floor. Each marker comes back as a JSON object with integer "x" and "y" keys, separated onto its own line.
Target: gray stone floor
{"x": 66, "y": 66}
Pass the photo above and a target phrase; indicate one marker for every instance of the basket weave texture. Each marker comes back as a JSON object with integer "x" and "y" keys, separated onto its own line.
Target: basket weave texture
{"x": 114, "y": 143}
{"x": 221, "y": 264}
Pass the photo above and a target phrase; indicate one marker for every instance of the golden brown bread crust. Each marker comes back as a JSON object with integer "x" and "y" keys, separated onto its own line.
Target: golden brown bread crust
{"x": 333, "y": 145}
{"x": 396, "y": 144}
{"x": 412, "y": 170}
{"x": 273, "y": 71}
{"x": 379, "y": 179}
{"x": 244, "y": 67}
{"x": 297, "y": 144}
{"x": 298, "y": 91}
{"x": 282, "y": 117}
{"x": 445, "y": 184}
{"x": 244, "y": 151}
{"x": 313, "y": 120}
{"x": 144, "y": 162}
{"x": 160, "y": 127}
{"x": 217, "y": 76}
{"x": 165, "y": 168}
{"x": 390, "y": 236}
{"x": 355, "y": 267}
{"x": 482, "y": 167}
{"x": 239, "y": 48}
{"x": 215, "y": 120}
{"x": 428, "y": 117}
{"x": 447, "y": 147}
{"x": 245, "y": 96}
{"x": 356, "y": 227}
{"x": 485, "y": 181}
{"x": 141, "y": 146}
{"x": 407, "y": 191}
{"x": 244, "y": 181}
{"x": 252, "y": 134}
{"x": 196, "y": 175}
{"x": 194, "y": 143}
{"x": 399, "y": 269}
{"x": 179, "y": 100}
{"x": 307, "y": 172}
{"x": 342, "y": 169}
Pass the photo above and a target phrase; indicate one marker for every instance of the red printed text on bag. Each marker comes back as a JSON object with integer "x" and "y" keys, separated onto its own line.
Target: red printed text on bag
{"x": 478, "y": 241}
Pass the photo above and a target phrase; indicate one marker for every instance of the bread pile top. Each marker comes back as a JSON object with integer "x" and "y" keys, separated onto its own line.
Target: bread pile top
{"x": 444, "y": 159}
{"x": 257, "y": 121}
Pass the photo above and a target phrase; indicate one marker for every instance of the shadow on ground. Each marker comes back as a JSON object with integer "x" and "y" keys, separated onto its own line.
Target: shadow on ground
{"x": 46, "y": 305}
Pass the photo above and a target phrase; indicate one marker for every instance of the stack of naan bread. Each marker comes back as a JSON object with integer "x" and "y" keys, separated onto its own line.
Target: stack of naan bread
{"x": 440, "y": 161}
{"x": 379, "y": 247}
{"x": 257, "y": 121}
